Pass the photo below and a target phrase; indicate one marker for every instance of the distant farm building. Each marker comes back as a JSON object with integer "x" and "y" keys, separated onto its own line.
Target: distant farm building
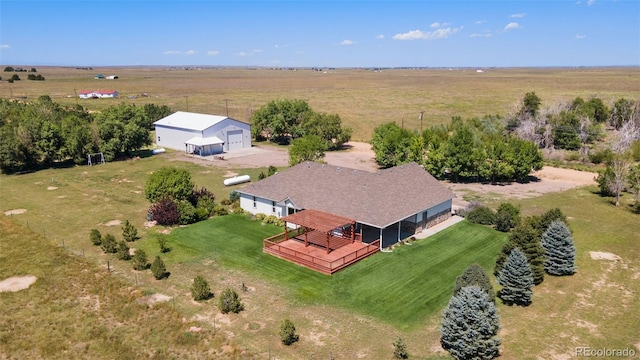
{"x": 99, "y": 76}
{"x": 202, "y": 134}
{"x": 98, "y": 94}
{"x": 112, "y": 77}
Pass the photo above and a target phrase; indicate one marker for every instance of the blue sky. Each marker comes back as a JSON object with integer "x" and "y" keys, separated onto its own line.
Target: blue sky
{"x": 321, "y": 33}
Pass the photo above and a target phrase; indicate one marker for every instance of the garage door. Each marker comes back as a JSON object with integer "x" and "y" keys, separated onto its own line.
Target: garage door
{"x": 234, "y": 139}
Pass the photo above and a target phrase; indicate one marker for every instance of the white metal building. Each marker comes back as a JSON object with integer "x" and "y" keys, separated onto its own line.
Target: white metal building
{"x": 202, "y": 134}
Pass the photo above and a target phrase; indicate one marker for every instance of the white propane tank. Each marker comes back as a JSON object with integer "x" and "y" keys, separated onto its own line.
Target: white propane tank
{"x": 237, "y": 180}
{"x": 158, "y": 151}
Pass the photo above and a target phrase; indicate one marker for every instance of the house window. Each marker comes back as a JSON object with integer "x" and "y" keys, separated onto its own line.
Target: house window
{"x": 158, "y": 138}
{"x": 273, "y": 207}
{"x": 254, "y": 202}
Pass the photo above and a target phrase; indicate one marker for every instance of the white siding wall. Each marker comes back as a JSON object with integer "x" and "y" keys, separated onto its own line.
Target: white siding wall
{"x": 173, "y": 138}
{"x": 439, "y": 208}
{"x": 263, "y": 206}
{"x": 220, "y": 130}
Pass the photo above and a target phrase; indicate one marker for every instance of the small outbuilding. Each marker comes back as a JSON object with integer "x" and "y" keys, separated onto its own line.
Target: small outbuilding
{"x": 202, "y": 134}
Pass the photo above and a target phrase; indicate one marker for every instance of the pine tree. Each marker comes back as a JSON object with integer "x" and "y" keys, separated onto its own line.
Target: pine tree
{"x": 129, "y": 232}
{"x": 516, "y": 279}
{"x": 139, "y": 260}
{"x": 200, "y": 289}
{"x": 229, "y": 302}
{"x": 123, "y": 251}
{"x": 288, "y": 332}
{"x": 526, "y": 238}
{"x": 400, "y": 349}
{"x": 475, "y": 275}
{"x": 470, "y": 325}
{"x": 560, "y": 251}
{"x": 96, "y": 237}
{"x": 158, "y": 269}
{"x": 109, "y": 244}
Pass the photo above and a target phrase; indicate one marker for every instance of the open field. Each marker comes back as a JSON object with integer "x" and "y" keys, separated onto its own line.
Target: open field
{"x": 362, "y": 98}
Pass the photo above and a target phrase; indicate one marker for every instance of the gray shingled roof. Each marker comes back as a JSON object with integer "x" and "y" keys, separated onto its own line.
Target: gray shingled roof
{"x": 375, "y": 198}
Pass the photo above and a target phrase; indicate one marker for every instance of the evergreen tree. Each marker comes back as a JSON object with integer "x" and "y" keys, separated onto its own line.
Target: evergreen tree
{"x": 123, "y": 251}
{"x": 288, "y": 332}
{"x": 200, "y": 289}
{"x": 158, "y": 269}
{"x": 470, "y": 325}
{"x": 475, "y": 275}
{"x": 109, "y": 244}
{"x": 129, "y": 232}
{"x": 229, "y": 302}
{"x": 560, "y": 251}
{"x": 516, "y": 279}
{"x": 96, "y": 237}
{"x": 526, "y": 238}
{"x": 400, "y": 349}
{"x": 139, "y": 260}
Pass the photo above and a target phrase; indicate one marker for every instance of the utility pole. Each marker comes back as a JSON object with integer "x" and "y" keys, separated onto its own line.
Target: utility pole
{"x": 75, "y": 94}
{"x": 186, "y": 98}
{"x": 421, "y": 116}
{"x": 226, "y": 106}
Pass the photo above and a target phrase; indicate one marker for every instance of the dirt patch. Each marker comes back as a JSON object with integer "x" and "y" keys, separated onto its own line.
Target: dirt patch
{"x": 15, "y": 212}
{"x": 17, "y": 283}
{"x": 229, "y": 174}
{"x": 52, "y": 188}
{"x": 597, "y": 255}
{"x": 113, "y": 223}
{"x": 148, "y": 224}
{"x": 153, "y": 299}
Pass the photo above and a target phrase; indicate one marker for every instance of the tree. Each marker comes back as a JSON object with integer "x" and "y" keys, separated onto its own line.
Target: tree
{"x": 516, "y": 279}
{"x": 280, "y": 120}
{"x": 622, "y": 112}
{"x": 470, "y": 325}
{"x": 476, "y": 275}
{"x": 229, "y": 302}
{"x": 123, "y": 130}
{"x": 633, "y": 178}
{"x": 95, "y": 237}
{"x": 507, "y": 217}
{"x": 200, "y": 289}
{"x": 123, "y": 251}
{"x": 306, "y": 148}
{"x": 530, "y": 104}
{"x": 391, "y": 145}
{"x": 618, "y": 182}
{"x": 460, "y": 151}
{"x": 154, "y": 113}
{"x": 158, "y": 269}
{"x": 139, "y": 260}
{"x": 328, "y": 127}
{"x": 169, "y": 182}
{"x": 129, "y": 232}
{"x": 400, "y": 349}
{"x": 560, "y": 251}
{"x": 288, "y": 332}
{"x": 165, "y": 212}
{"x": 109, "y": 244}
{"x": 162, "y": 244}
{"x": 526, "y": 238}
{"x": 15, "y": 77}
{"x": 8, "y": 69}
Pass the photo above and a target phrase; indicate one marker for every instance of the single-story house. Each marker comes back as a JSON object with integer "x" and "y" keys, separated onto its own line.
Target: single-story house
{"x": 389, "y": 205}
{"x": 98, "y": 94}
{"x": 202, "y": 134}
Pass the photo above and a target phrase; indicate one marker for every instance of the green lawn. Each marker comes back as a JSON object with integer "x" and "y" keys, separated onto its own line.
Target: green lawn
{"x": 402, "y": 288}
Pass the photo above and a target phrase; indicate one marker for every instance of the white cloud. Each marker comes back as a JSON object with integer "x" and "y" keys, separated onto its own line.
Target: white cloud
{"x": 5, "y": 46}
{"x": 380, "y": 36}
{"x": 520, "y": 15}
{"x": 346, "y": 42}
{"x": 191, "y": 52}
{"x": 213, "y": 52}
{"x": 590, "y": 2}
{"x": 480, "y": 22}
{"x": 512, "y": 25}
{"x": 484, "y": 34}
{"x": 243, "y": 53}
{"x": 427, "y": 35}
{"x": 257, "y": 50}
{"x": 580, "y": 36}
{"x": 436, "y": 25}
{"x": 171, "y": 52}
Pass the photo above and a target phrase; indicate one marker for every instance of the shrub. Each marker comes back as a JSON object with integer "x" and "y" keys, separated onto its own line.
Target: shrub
{"x": 169, "y": 182}
{"x": 234, "y": 195}
{"x": 187, "y": 212}
{"x": 288, "y": 332}
{"x": 123, "y": 251}
{"x": 238, "y": 210}
{"x": 602, "y": 156}
{"x": 400, "y": 349}
{"x": 158, "y": 269}
{"x": 129, "y": 232}
{"x": 225, "y": 202}
{"x": 165, "y": 212}
{"x": 262, "y": 175}
{"x": 507, "y": 217}
{"x": 139, "y": 260}
{"x": 229, "y": 302}
{"x": 271, "y": 170}
{"x": 220, "y": 210}
{"x": 482, "y": 215}
{"x": 95, "y": 237}
{"x": 162, "y": 243}
{"x": 200, "y": 289}
{"x": 109, "y": 244}
{"x": 260, "y": 216}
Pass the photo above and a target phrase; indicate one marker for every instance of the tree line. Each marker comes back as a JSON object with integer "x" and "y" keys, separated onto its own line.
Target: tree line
{"x": 40, "y": 133}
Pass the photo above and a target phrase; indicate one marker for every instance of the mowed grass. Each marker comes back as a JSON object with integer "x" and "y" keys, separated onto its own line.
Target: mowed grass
{"x": 76, "y": 310}
{"x": 402, "y": 288}
{"x": 364, "y": 99}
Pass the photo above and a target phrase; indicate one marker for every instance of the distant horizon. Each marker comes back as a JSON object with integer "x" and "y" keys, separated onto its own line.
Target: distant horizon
{"x": 321, "y": 33}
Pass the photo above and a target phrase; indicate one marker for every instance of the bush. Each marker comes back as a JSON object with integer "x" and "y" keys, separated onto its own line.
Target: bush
{"x": 187, "y": 212}
{"x": 96, "y": 237}
{"x": 507, "y": 217}
{"x": 158, "y": 269}
{"x": 139, "y": 260}
{"x": 123, "y": 251}
{"x": 262, "y": 175}
{"x": 129, "y": 232}
{"x": 234, "y": 195}
{"x": 162, "y": 243}
{"x": 109, "y": 244}
{"x": 200, "y": 289}
{"x": 400, "y": 349}
{"x": 602, "y": 156}
{"x": 260, "y": 216}
{"x": 169, "y": 182}
{"x": 165, "y": 212}
{"x": 229, "y": 302}
{"x": 271, "y": 170}
{"x": 220, "y": 210}
{"x": 482, "y": 215}
{"x": 288, "y": 332}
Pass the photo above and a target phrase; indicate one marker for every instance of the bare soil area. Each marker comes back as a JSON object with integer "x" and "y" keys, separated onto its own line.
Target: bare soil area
{"x": 15, "y": 212}
{"x": 17, "y": 283}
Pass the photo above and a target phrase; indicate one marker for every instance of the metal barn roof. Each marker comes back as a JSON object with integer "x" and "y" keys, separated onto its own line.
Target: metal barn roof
{"x": 191, "y": 121}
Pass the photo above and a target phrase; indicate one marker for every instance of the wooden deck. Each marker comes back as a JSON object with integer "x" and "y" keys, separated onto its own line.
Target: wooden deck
{"x": 315, "y": 257}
